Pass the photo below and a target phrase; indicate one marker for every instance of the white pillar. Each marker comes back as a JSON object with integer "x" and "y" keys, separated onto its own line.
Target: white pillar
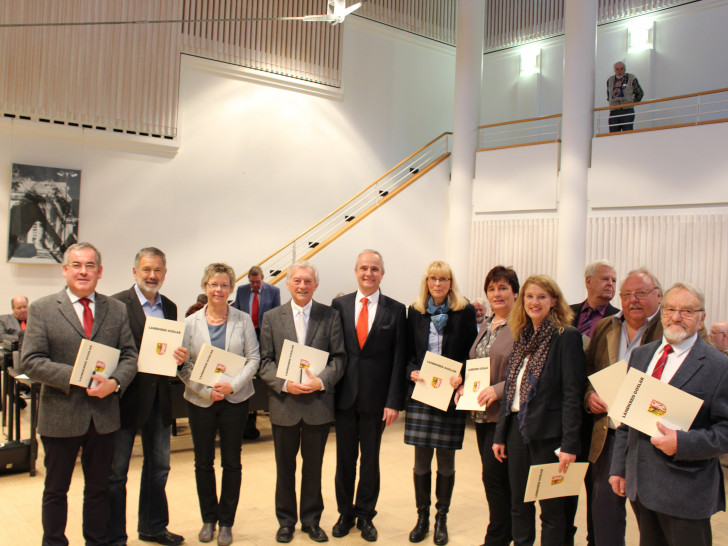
{"x": 576, "y": 136}
{"x": 468, "y": 76}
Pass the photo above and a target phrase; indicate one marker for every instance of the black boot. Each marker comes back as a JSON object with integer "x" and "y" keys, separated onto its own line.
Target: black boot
{"x": 443, "y": 492}
{"x": 423, "y": 487}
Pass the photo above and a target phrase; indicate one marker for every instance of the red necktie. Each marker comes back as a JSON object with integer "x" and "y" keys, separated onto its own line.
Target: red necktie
{"x": 256, "y": 309}
{"x": 88, "y": 317}
{"x": 362, "y": 325}
{"x": 22, "y": 325}
{"x": 660, "y": 365}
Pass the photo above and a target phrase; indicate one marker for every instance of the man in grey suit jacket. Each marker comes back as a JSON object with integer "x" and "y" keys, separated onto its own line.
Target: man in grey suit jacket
{"x": 145, "y": 407}
{"x": 674, "y": 480}
{"x": 11, "y": 325}
{"x": 301, "y": 413}
{"x": 71, "y": 417}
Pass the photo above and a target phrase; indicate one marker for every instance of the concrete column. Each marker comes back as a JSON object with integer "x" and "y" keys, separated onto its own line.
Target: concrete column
{"x": 468, "y": 77}
{"x": 576, "y": 136}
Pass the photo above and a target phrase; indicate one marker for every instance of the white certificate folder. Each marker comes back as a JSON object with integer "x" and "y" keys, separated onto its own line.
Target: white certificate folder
{"x": 214, "y": 365}
{"x": 477, "y": 377}
{"x": 643, "y": 401}
{"x": 93, "y": 358}
{"x": 436, "y": 390}
{"x": 296, "y": 358}
{"x": 546, "y": 482}
{"x": 160, "y": 339}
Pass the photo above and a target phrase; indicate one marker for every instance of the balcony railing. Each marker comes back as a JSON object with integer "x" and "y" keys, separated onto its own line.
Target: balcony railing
{"x": 520, "y": 132}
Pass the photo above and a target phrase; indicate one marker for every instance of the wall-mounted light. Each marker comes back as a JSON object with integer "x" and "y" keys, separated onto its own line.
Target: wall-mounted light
{"x": 640, "y": 35}
{"x": 530, "y": 60}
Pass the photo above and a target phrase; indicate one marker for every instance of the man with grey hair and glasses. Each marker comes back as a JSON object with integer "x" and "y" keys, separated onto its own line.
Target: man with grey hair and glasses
{"x": 614, "y": 340}
{"x": 673, "y": 479}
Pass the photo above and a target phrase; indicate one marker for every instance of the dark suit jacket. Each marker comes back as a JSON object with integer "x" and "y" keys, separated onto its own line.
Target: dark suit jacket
{"x": 136, "y": 404}
{"x": 603, "y": 351}
{"x": 9, "y": 327}
{"x": 52, "y": 339}
{"x": 555, "y": 411}
{"x": 269, "y": 298}
{"x": 689, "y": 484}
{"x": 324, "y": 332}
{"x": 458, "y": 336}
{"x": 374, "y": 377}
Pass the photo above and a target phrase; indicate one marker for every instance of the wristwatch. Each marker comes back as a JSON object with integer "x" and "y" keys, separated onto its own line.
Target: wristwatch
{"x": 118, "y": 385}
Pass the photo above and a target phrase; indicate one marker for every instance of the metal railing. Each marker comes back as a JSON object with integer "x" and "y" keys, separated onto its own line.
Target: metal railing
{"x": 670, "y": 112}
{"x": 344, "y": 217}
{"x": 520, "y": 132}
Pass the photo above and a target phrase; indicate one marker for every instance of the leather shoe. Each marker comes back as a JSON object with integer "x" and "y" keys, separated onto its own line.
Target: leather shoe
{"x": 225, "y": 536}
{"x": 342, "y": 526}
{"x": 315, "y": 533}
{"x": 284, "y": 534}
{"x": 166, "y": 538}
{"x": 368, "y": 531}
{"x": 207, "y": 532}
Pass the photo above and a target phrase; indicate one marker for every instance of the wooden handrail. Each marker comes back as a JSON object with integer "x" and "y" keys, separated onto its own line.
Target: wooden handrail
{"x": 518, "y": 121}
{"x": 347, "y": 202}
{"x": 653, "y": 101}
{"x": 359, "y": 217}
{"x": 518, "y": 145}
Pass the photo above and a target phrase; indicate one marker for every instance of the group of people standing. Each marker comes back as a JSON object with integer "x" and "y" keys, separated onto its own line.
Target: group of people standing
{"x": 536, "y": 410}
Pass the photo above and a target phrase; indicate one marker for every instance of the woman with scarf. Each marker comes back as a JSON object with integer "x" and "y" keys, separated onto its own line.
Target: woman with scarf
{"x": 540, "y": 412}
{"x": 443, "y": 322}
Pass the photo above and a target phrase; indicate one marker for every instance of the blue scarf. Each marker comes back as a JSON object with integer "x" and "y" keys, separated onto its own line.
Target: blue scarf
{"x": 438, "y": 314}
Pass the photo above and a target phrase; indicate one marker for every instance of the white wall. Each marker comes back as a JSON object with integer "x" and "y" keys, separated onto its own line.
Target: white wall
{"x": 688, "y": 57}
{"x": 257, "y": 164}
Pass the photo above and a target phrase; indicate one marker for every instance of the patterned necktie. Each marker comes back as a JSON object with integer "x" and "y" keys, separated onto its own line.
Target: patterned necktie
{"x": 362, "y": 324}
{"x": 256, "y": 309}
{"x": 660, "y": 365}
{"x": 88, "y": 317}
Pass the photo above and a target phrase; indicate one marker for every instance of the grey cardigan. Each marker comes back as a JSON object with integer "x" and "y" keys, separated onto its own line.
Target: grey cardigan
{"x": 240, "y": 339}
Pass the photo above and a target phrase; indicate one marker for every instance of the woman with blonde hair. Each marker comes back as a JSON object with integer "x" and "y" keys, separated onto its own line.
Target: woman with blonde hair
{"x": 540, "y": 416}
{"x": 443, "y": 322}
{"x": 223, "y": 408}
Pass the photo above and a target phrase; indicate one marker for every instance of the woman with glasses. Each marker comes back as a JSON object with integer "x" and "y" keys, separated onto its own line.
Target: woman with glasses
{"x": 443, "y": 322}
{"x": 495, "y": 341}
{"x": 540, "y": 415}
{"x": 223, "y": 408}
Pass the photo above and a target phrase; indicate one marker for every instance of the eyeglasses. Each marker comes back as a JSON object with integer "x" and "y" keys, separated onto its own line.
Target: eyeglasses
{"x": 216, "y": 286}
{"x": 639, "y": 294}
{"x": 435, "y": 280}
{"x": 684, "y": 313}
{"x": 78, "y": 266}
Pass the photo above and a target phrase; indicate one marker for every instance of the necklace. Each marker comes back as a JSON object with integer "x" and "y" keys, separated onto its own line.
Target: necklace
{"x": 214, "y": 320}
{"x": 496, "y": 323}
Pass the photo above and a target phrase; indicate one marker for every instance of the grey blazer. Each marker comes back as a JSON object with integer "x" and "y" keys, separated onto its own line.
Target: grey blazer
{"x": 52, "y": 338}
{"x": 9, "y": 327}
{"x": 325, "y": 333}
{"x": 690, "y": 483}
{"x": 240, "y": 339}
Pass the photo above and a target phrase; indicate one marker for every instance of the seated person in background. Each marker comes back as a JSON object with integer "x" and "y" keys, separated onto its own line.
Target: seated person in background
{"x": 199, "y": 304}
{"x": 11, "y": 325}
{"x": 719, "y": 336}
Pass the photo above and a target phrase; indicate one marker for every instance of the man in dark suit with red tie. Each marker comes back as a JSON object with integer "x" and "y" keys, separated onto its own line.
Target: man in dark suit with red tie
{"x": 371, "y": 393}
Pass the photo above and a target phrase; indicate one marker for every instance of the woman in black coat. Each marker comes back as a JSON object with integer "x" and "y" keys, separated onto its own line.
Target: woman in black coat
{"x": 443, "y": 322}
{"x": 541, "y": 408}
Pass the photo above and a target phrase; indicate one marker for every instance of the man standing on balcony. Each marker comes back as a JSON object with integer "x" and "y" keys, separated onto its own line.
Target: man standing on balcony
{"x": 371, "y": 393}
{"x": 622, "y": 88}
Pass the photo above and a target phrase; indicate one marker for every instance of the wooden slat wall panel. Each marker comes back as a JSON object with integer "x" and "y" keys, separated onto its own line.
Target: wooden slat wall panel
{"x": 434, "y": 19}
{"x": 509, "y": 23}
{"x": 306, "y": 50}
{"x": 115, "y": 76}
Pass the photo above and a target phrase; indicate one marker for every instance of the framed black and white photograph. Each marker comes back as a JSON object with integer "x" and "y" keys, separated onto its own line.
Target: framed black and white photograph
{"x": 43, "y": 213}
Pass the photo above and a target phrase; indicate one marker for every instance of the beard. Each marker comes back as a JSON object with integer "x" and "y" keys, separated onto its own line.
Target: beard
{"x": 675, "y": 333}
{"x": 149, "y": 288}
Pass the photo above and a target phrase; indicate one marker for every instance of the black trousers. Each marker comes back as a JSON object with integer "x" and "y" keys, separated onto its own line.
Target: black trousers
{"x": 621, "y": 120}
{"x": 358, "y": 436}
{"x": 311, "y": 440}
{"x": 658, "y": 529}
{"x": 229, "y": 420}
{"x": 608, "y": 510}
{"x": 97, "y": 452}
{"x": 556, "y": 527}
{"x": 497, "y": 488}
